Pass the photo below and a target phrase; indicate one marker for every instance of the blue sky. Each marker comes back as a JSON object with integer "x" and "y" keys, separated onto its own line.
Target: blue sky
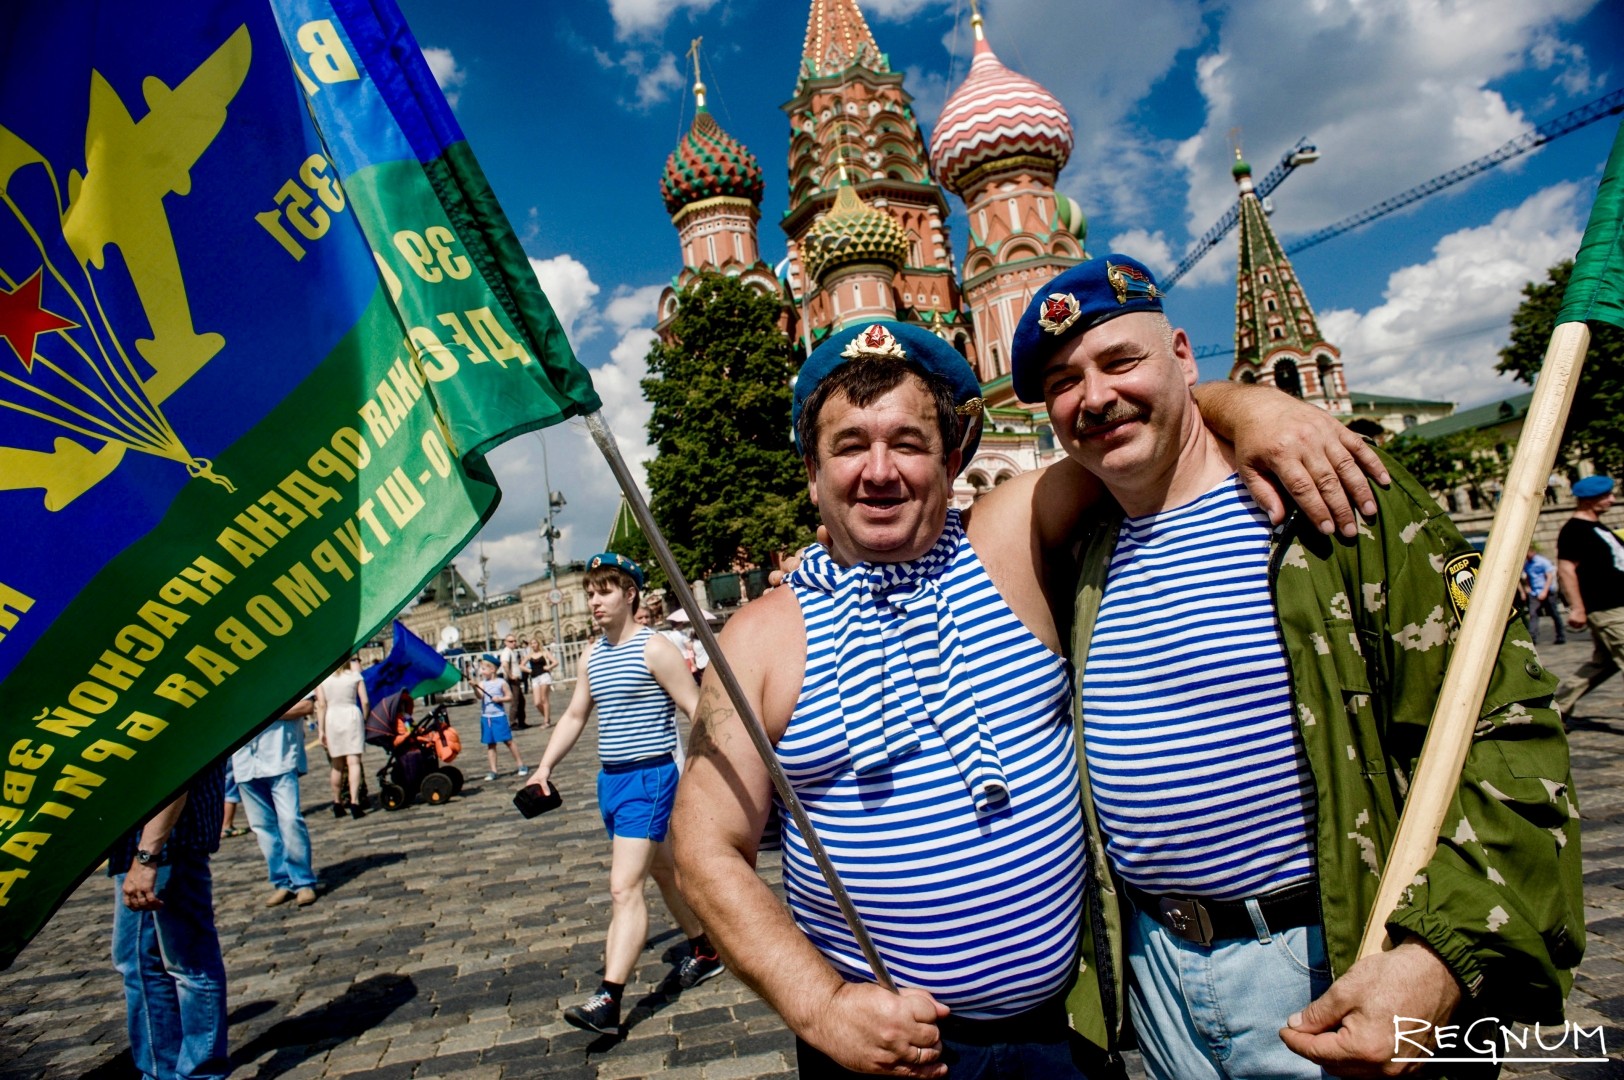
{"x": 573, "y": 108}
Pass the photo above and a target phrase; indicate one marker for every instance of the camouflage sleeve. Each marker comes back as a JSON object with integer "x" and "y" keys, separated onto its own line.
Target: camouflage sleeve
{"x": 1501, "y": 899}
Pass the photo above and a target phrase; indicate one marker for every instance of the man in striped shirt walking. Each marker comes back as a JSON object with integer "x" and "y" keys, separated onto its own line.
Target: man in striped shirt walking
{"x": 637, "y": 681}
{"x": 1252, "y": 701}
{"x": 912, "y": 682}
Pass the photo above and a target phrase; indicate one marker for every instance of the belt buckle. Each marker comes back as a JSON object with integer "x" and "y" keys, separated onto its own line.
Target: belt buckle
{"x": 1186, "y": 918}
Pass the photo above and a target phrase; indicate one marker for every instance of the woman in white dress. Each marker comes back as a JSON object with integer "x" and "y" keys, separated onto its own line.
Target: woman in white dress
{"x": 341, "y": 709}
{"x": 541, "y": 679}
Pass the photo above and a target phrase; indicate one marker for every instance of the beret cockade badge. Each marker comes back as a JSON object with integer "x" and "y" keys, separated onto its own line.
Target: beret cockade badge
{"x": 1060, "y": 310}
{"x": 875, "y": 341}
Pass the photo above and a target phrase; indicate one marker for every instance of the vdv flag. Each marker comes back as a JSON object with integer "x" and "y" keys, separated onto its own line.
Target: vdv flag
{"x": 412, "y": 665}
{"x": 260, "y": 318}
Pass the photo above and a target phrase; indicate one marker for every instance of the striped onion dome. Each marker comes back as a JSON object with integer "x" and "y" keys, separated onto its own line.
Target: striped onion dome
{"x": 853, "y": 232}
{"x": 996, "y": 114}
{"x": 709, "y": 162}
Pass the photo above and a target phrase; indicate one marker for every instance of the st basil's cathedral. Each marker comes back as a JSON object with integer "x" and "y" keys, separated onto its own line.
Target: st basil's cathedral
{"x": 866, "y": 234}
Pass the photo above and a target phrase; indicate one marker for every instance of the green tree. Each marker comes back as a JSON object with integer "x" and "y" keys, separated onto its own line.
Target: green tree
{"x": 1446, "y": 462}
{"x": 1593, "y": 428}
{"x": 726, "y": 484}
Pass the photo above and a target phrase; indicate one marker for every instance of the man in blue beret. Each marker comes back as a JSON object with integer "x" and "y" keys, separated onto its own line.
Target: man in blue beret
{"x": 1590, "y": 566}
{"x": 912, "y": 681}
{"x": 1253, "y": 699}
{"x": 636, "y": 680}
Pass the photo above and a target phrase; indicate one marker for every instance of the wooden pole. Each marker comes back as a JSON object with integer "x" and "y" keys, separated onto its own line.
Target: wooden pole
{"x": 1437, "y": 774}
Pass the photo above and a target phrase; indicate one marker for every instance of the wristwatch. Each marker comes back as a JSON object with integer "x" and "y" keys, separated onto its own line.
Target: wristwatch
{"x": 145, "y": 858}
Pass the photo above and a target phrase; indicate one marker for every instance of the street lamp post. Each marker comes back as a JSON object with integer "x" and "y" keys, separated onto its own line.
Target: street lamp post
{"x": 549, "y": 532}
{"x": 555, "y": 503}
{"x": 485, "y": 596}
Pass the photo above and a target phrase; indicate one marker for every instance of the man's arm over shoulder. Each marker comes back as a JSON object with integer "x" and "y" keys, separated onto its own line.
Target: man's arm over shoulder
{"x": 722, "y": 807}
{"x": 1023, "y": 531}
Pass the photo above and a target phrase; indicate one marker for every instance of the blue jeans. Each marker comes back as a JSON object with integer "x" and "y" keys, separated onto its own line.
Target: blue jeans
{"x": 174, "y": 977}
{"x": 272, "y": 803}
{"x": 1211, "y": 1012}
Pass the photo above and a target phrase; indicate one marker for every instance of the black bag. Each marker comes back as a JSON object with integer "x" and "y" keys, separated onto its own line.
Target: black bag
{"x": 531, "y": 801}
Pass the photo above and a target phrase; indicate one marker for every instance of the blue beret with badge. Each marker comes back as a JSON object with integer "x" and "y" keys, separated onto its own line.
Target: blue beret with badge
{"x": 899, "y": 341}
{"x": 1592, "y": 487}
{"x": 1079, "y": 299}
{"x": 619, "y": 562}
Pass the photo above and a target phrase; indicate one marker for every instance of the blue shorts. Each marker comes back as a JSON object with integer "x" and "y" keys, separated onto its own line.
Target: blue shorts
{"x": 635, "y": 798}
{"x": 494, "y": 729}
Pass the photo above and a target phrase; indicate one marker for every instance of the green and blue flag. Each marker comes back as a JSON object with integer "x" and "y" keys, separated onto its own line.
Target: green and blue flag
{"x": 1595, "y": 291}
{"x": 260, "y": 319}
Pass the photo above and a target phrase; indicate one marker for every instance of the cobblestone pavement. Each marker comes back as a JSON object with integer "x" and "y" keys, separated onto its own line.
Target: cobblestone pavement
{"x": 447, "y": 939}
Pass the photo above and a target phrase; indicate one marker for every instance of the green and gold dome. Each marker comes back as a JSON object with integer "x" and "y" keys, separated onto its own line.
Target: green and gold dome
{"x": 853, "y": 232}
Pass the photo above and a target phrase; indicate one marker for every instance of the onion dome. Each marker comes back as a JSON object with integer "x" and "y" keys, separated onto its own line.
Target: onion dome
{"x": 853, "y": 232}
{"x": 996, "y": 114}
{"x": 1240, "y": 168}
{"x": 1069, "y": 216}
{"x": 709, "y": 162}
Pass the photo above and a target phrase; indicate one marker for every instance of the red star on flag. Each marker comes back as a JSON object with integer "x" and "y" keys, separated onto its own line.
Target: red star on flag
{"x": 22, "y": 320}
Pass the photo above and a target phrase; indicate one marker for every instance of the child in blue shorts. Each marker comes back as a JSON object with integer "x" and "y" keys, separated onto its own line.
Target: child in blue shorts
{"x": 493, "y": 720}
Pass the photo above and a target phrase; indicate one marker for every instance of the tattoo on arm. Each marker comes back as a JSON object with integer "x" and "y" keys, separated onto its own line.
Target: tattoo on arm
{"x": 711, "y": 726}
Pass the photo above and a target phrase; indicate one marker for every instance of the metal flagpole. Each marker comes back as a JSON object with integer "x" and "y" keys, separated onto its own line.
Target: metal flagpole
{"x": 605, "y": 439}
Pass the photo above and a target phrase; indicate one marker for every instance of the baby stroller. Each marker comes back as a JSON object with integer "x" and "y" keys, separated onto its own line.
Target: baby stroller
{"x": 420, "y": 749}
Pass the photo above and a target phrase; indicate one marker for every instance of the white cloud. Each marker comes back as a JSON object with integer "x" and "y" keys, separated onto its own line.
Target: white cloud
{"x": 448, "y": 76}
{"x": 648, "y": 17}
{"x": 570, "y": 289}
{"x": 1438, "y": 332}
{"x": 929, "y": 90}
{"x": 633, "y": 307}
{"x": 1150, "y": 248}
{"x": 654, "y": 83}
{"x": 1393, "y": 92}
{"x": 1574, "y": 75}
{"x": 574, "y": 464}
{"x": 894, "y": 10}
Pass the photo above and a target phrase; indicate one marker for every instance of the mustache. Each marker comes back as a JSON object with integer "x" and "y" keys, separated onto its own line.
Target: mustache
{"x": 1117, "y": 412}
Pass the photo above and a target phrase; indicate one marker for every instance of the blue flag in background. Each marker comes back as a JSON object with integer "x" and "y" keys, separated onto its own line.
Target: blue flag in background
{"x": 413, "y": 665}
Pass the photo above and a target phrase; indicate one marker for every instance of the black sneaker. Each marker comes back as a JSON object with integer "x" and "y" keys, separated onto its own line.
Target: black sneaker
{"x": 694, "y": 970}
{"x": 600, "y": 1012}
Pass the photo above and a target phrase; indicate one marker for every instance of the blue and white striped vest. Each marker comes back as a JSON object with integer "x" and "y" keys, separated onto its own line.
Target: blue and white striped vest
{"x": 941, "y": 775}
{"x": 636, "y": 717}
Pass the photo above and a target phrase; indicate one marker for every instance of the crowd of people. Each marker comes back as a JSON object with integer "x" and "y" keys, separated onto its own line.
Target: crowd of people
{"x": 1111, "y": 758}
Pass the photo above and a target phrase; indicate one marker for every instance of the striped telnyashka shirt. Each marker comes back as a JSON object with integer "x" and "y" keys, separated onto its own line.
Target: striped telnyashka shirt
{"x": 636, "y": 717}
{"x": 981, "y": 910}
{"x": 1197, "y": 769}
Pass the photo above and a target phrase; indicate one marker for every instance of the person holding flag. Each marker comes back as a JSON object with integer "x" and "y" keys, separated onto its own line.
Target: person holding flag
{"x": 911, "y": 684}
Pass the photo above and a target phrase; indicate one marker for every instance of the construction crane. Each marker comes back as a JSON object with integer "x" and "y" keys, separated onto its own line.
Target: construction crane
{"x": 1303, "y": 153}
{"x": 1568, "y": 122}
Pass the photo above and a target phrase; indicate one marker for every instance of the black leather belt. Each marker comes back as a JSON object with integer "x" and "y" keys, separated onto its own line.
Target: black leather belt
{"x": 1203, "y": 922}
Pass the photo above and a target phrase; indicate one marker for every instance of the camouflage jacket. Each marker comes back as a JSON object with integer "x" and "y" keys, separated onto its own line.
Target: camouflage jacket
{"x": 1369, "y": 624}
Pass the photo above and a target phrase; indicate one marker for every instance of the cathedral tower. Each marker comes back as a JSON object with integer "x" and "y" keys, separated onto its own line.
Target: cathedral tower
{"x": 1277, "y": 338}
{"x": 1001, "y": 141}
{"x": 851, "y": 123}
{"x": 712, "y": 188}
